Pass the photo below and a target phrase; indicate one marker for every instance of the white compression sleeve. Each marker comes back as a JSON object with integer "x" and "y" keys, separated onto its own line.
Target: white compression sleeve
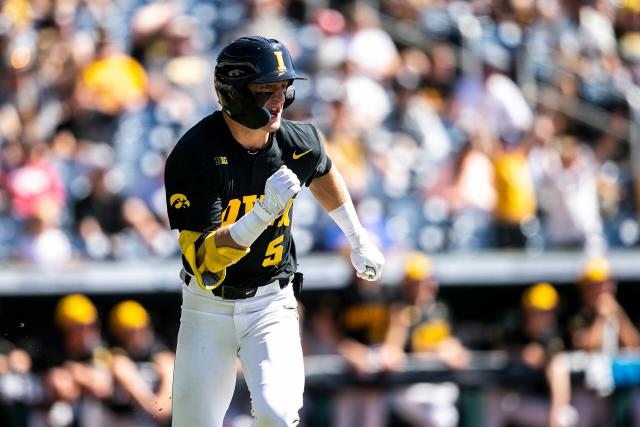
{"x": 346, "y": 218}
{"x": 248, "y": 228}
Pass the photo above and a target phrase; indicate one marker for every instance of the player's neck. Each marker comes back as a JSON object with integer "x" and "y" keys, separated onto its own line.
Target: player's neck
{"x": 251, "y": 139}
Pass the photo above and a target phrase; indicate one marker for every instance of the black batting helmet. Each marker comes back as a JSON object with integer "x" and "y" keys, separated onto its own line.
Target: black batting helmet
{"x": 251, "y": 60}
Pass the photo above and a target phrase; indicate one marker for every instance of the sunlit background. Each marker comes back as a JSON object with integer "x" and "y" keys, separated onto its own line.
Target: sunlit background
{"x": 500, "y": 138}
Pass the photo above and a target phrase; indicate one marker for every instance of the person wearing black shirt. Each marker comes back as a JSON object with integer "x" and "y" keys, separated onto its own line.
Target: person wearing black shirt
{"x": 231, "y": 183}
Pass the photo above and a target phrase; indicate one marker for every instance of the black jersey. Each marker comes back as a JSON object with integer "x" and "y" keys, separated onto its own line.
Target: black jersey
{"x": 211, "y": 181}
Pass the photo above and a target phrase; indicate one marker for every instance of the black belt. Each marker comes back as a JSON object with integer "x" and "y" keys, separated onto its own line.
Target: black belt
{"x": 235, "y": 292}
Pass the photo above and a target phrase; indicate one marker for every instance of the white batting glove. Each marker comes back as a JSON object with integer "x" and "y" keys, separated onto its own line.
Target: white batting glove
{"x": 366, "y": 258}
{"x": 279, "y": 188}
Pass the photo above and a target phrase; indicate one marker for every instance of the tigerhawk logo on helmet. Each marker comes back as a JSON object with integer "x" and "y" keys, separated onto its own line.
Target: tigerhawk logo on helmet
{"x": 252, "y": 60}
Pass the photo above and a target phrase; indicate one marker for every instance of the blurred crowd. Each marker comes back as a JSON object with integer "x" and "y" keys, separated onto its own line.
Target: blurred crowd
{"x": 92, "y": 371}
{"x": 458, "y": 125}
{"x": 395, "y": 356}
{"x": 559, "y": 363}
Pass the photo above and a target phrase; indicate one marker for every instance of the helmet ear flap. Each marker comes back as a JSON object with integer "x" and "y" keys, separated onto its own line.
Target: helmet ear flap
{"x": 289, "y": 95}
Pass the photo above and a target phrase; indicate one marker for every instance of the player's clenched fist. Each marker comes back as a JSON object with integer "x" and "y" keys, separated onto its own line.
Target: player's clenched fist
{"x": 366, "y": 258}
{"x": 279, "y": 188}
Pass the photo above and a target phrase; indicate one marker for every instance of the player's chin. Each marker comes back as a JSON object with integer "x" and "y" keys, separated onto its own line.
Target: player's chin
{"x": 274, "y": 123}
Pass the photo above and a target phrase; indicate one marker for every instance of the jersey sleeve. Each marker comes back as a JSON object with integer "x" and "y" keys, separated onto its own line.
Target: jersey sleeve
{"x": 192, "y": 195}
{"x": 323, "y": 165}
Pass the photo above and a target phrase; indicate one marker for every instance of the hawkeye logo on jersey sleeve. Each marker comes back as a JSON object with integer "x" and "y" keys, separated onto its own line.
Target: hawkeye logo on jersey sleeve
{"x": 179, "y": 201}
{"x": 221, "y": 160}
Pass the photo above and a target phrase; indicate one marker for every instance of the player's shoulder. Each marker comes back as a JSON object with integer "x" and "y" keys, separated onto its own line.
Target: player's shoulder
{"x": 197, "y": 139}
{"x": 299, "y": 134}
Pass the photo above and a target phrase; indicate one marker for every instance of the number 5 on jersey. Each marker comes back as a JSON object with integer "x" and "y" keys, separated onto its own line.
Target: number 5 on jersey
{"x": 274, "y": 252}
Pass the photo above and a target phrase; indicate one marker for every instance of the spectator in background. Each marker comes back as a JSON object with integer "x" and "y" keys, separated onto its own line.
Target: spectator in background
{"x": 98, "y": 216}
{"x": 61, "y": 61}
{"x": 601, "y": 324}
{"x": 421, "y": 326}
{"x": 35, "y": 181}
{"x": 516, "y": 199}
{"x": 363, "y": 31}
{"x": 142, "y": 368}
{"x": 365, "y": 97}
{"x": 538, "y": 383}
{"x": 601, "y": 327}
{"x": 492, "y": 99}
{"x": 415, "y": 111}
{"x": 147, "y": 230}
{"x": 43, "y": 243}
{"x": 269, "y": 18}
{"x": 18, "y": 386}
{"x": 568, "y": 196}
{"x": 13, "y": 358}
{"x": 100, "y": 102}
{"x": 115, "y": 226}
{"x": 347, "y": 150}
{"x": 96, "y": 90}
{"x": 355, "y": 324}
{"x": 467, "y": 183}
{"x": 75, "y": 366}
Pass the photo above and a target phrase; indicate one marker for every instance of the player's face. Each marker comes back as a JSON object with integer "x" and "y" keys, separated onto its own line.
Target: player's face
{"x": 271, "y": 96}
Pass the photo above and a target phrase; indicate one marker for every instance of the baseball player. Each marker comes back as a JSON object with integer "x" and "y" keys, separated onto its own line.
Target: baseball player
{"x": 231, "y": 182}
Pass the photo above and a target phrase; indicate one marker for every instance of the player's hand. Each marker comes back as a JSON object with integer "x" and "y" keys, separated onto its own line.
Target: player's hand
{"x": 279, "y": 188}
{"x": 366, "y": 259}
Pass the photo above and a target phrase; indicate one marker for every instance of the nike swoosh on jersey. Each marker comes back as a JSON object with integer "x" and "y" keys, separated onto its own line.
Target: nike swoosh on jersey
{"x": 296, "y": 156}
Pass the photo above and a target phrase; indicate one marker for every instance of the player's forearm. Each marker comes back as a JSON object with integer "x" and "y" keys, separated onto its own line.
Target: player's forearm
{"x": 223, "y": 239}
{"x": 330, "y": 190}
{"x": 331, "y": 193}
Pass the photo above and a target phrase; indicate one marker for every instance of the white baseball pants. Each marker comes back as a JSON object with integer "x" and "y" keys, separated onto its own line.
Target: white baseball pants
{"x": 263, "y": 331}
